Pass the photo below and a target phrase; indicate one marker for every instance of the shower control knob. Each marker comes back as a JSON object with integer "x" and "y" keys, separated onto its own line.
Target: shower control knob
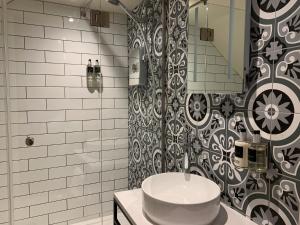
{"x": 134, "y": 68}
{"x": 29, "y": 141}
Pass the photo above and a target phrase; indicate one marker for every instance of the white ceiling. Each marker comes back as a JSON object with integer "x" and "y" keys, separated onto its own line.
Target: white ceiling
{"x": 98, "y": 4}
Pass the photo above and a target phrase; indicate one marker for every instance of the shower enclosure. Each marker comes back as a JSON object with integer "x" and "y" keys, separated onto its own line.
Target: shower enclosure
{"x": 63, "y": 146}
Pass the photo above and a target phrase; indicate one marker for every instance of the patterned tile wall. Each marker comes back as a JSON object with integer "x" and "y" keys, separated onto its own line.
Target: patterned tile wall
{"x": 213, "y": 122}
{"x": 144, "y": 118}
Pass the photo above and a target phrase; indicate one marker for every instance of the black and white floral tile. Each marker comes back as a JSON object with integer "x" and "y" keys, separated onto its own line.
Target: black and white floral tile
{"x": 144, "y": 118}
{"x": 211, "y": 123}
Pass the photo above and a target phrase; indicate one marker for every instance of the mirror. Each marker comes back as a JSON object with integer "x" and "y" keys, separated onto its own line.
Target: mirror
{"x": 218, "y": 46}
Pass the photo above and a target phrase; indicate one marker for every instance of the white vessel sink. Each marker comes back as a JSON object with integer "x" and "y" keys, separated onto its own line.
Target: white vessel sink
{"x": 178, "y": 198}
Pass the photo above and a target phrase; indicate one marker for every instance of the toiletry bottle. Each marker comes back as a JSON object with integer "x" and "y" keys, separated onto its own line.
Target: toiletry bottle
{"x": 97, "y": 69}
{"x": 257, "y": 153}
{"x": 89, "y": 73}
{"x": 241, "y": 150}
{"x": 97, "y": 73}
{"x": 90, "y": 68}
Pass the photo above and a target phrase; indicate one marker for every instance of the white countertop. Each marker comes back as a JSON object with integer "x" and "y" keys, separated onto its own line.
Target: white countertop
{"x": 131, "y": 203}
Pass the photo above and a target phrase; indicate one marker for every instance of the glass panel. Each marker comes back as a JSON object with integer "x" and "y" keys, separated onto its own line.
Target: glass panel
{"x": 4, "y": 170}
{"x": 113, "y": 50}
{"x": 70, "y": 135}
{"x": 57, "y": 178}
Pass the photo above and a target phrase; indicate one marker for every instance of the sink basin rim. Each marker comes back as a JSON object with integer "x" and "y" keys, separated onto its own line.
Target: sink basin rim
{"x": 207, "y": 202}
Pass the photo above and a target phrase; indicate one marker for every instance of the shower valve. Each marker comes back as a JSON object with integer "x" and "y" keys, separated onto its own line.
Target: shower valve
{"x": 29, "y": 141}
{"x": 134, "y": 68}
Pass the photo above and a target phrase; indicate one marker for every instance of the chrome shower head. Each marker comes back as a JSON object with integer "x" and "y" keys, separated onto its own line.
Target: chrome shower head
{"x": 123, "y": 7}
{"x": 114, "y": 2}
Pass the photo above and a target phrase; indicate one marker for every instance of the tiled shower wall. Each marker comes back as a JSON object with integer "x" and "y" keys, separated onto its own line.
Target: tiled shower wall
{"x": 213, "y": 122}
{"x": 145, "y": 119}
{"x": 80, "y": 154}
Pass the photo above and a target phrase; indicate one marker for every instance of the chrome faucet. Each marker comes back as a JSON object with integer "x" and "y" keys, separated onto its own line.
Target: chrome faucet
{"x": 186, "y": 162}
{"x": 186, "y": 155}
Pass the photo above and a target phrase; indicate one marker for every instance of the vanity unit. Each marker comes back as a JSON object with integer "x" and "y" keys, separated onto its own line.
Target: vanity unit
{"x": 130, "y": 204}
{"x": 177, "y": 203}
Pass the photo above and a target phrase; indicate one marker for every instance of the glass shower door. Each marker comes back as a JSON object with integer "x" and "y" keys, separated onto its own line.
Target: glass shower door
{"x": 4, "y": 165}
{"x": 113, "y": 51}
{"x": 69, "y": 142}
{"x": 56, "y": 121}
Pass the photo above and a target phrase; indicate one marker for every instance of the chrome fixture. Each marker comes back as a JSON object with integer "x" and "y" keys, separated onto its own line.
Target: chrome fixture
{"x": 186, "y": 163}
{"x": 29, "y": 141}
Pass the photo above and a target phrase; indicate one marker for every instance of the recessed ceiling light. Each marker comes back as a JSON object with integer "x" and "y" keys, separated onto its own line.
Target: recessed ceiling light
{"x": 71, "y": 20}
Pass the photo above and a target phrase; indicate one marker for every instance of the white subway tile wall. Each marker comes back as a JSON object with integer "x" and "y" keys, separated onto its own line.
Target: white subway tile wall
{"x": 80, "y": 155}
{"x": 4, "y": 191}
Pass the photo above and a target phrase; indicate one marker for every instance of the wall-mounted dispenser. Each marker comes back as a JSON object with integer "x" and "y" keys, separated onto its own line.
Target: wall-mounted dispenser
{"x": 241, "y": 150}
{"x": 137, "y": 67}
{"x": 257, "y": 153}
{"x": 94, "y": 76}
{"x": 97, "y": 74}
{"x": 89, "y": 76}
{"x": 251, "y": 154}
